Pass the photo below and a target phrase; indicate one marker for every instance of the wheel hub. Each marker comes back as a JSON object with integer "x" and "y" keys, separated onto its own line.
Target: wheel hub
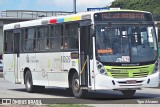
{"x": 76, "y": 84}
{"x": 28, "y": 84}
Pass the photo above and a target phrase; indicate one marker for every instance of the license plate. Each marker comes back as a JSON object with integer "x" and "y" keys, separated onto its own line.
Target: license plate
{"x": 131, "y": 81}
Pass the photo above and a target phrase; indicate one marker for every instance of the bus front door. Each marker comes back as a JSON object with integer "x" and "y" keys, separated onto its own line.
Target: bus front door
{"x": 84, "y": 47}
{"x": 16, "y": 50}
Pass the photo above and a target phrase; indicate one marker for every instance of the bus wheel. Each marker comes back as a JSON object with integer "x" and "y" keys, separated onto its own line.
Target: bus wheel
{"x": 128, "y": 93}
{"x": 29, "y": 82}
{"x": 77, "y": 91}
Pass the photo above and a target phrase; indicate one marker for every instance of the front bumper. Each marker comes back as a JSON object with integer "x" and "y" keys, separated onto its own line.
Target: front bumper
{"x": 103, "y": 82}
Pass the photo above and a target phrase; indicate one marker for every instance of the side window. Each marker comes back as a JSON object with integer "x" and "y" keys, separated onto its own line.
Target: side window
{"x": 55, "y": 37}
{"x": 43, "y": 38}
{"x": 70, "y": 37}
{"x": 29, "y": 39}
{"x": 8, "y": 42}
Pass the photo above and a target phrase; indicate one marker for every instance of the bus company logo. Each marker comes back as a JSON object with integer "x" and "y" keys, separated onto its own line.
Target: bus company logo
{"x": 27, "y": 59}
{"x": 65, "y": 59}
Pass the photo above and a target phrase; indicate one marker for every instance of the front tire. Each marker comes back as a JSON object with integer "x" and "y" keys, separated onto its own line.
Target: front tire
{"x": 77, "y": 91}
{"x": 128, "y": 93}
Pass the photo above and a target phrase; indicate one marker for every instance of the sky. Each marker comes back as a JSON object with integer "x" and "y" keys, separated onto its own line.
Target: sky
{"x": 51, "y": 5}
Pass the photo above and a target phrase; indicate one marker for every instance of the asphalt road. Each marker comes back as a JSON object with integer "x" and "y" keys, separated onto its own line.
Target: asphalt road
{"x": 59, "y": 95}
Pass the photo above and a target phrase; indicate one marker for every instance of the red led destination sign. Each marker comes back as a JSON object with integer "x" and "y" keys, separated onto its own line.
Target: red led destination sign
{"x": 122, "y": 16}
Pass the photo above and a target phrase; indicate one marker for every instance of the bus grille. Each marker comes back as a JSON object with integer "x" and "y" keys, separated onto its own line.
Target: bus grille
{"x": 137, "y": 73}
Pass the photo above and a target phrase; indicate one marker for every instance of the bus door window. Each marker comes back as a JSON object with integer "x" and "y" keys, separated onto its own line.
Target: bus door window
{"x": 147, "y": 40}
{"x": 84, "y": 51}
{"x": 84, "y": 39}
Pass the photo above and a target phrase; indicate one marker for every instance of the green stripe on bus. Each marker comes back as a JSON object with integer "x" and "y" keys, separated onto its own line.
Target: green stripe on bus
{"x": 129, "y": 72}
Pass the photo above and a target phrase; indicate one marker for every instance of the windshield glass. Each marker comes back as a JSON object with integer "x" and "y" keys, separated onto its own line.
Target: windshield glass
{"x": 126, "y": 43}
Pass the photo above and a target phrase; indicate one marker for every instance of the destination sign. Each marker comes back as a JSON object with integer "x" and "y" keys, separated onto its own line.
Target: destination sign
{"x": 122, "y": 16}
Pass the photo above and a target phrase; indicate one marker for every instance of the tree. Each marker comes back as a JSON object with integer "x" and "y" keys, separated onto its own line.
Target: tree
{"x": 152, "y": 6}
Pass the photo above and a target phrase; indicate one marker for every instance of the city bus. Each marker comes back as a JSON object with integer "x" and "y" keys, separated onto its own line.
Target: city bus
{"x": 101, "y": 50}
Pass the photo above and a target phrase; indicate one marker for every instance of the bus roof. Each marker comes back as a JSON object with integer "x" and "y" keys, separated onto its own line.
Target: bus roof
{"x": 61, "y": 19}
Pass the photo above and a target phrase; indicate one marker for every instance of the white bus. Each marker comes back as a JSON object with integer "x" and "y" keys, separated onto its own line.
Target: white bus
{"x": 87, "y": 51}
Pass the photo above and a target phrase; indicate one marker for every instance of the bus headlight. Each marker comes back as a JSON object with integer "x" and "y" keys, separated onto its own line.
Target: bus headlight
{"x": 155, "y": 67}
{"x": 102, "y": 71}
{"x": 101, "y": 68}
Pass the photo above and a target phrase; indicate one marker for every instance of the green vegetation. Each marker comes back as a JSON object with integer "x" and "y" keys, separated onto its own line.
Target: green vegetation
{"x": 152, "y": 6}
{"x": 68, "y": 105}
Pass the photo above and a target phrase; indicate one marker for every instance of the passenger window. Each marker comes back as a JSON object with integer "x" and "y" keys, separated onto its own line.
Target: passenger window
{"x": 8, "y": 42}
{"x": 70, "y": 37}
{"x": 42, "y": 38}
{"x": 55, "y": 37}
{"x": 30, "y": 36}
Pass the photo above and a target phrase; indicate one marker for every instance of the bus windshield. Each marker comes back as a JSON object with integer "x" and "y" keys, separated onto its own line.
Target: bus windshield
{"x": 122, "y": 43}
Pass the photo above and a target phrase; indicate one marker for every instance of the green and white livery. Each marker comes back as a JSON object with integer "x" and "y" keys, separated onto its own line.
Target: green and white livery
{"x": 98, "y": 50}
